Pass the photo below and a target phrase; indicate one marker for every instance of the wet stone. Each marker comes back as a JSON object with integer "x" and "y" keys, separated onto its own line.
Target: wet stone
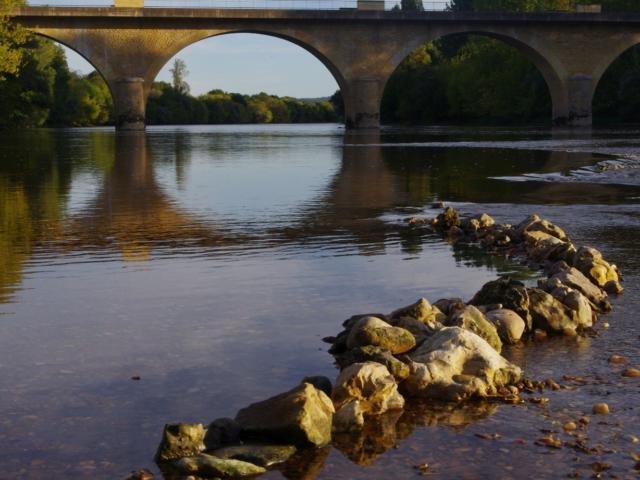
{"x": 180, "y": 440}
{"x": 210, "y": 465}
{"x": 601, "y": 409}
{"x": 258, "y": 454}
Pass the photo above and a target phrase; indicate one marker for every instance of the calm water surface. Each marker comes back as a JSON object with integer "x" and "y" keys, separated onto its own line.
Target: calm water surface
{"x": 210, "y": 261}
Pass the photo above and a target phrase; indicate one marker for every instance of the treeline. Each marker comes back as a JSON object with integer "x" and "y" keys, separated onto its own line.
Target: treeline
{"x": 44, "y": 92}
{"x": 469, "y": 78}
{"x": 168, "y": 105}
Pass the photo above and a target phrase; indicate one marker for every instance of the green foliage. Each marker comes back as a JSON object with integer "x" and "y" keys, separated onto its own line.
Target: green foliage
{"x": 12, "y": 38}
{"x": 168, "y": 106}
{"x": 45, "y": 92}
{"x": 411, "y": 5}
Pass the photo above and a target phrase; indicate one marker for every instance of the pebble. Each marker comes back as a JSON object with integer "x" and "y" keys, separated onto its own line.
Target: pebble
{"x": 605, "y": 325}
{"x": 539, "y": 334}
{"x": 601, "y": 409}
{"x": 617, "y": 359}
{"x": 631, "y": 372}
{"x": 570, "y": 426}
{"x": 585, "y": 420}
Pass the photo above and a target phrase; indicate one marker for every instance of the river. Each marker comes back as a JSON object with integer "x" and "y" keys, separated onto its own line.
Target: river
{"x": 184, "y": 273}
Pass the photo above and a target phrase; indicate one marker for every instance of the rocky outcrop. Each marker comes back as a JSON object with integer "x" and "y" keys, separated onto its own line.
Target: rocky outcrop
{"x": 180, "y": 440}
{"x": 511, "y": 294}
{"x": 301, "y": 416}
{"x": 455, "y": 364}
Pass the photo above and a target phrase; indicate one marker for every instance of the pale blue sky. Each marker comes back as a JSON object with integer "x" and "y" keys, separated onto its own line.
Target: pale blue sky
{"x": 244, "y": 63}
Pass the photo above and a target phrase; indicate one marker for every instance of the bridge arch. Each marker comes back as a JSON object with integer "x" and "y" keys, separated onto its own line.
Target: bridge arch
{"x": 543, "y": 61}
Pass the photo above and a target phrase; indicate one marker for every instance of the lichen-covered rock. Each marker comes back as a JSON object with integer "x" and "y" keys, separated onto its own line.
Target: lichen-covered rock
{"x": 349, "y": 418}
{"x": 369, "y": 353}
{"x": 208, "y": 465}
{"x": 550, "y": 314}
{"x": 418, "y": 328}
{"x": 301, "y": 416}
{"x": 541, "y": 246}
{"x": 371, "y": 384}
{"x": 590, "y": 262}
{"x": 472, "y": 319}
{"x": 221, "y": 431}
{"x": 574, "y": 278}
{"x": 180, "y": 440}
{"x": 257, "y": 454}
{"x": 421, "y": 311}
{"x": 455, "y": 364}
{"x": 509, "y": 324}
{"x": 376, "y": 332}
{"x": 511, "y": 294}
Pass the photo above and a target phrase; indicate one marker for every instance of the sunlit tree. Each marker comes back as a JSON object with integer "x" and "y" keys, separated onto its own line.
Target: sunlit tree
{"x": 12, "y": 38}
{"x": 178, "y": 73}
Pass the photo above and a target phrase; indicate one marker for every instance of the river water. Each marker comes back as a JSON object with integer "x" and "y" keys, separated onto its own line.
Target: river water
{"x": 210, "y": 262}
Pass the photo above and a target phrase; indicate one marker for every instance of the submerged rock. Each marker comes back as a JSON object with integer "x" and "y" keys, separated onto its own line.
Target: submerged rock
{"x": 180, "y": 440}
{"x": 371, "y": 384}
{"x": 398, "y": 369}
{"x": 209, "y": 465}
{"x": 455, "y": 364}
{"x": 509, "y": 324}
{"x": 222, "y": 431}
{"x": 376, "y": 332}
{"x": 301, "y": 416}
{"x": 258, "y": 454}
{"x": 473, "y": 320}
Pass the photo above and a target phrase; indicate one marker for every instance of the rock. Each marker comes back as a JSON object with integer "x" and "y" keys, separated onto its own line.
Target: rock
{"x": 416, "y": 327}
{"x": 509, "y": 324}
{"x": 590, "y": 262}
{"x": 180, "y": 440}
{"x": 631, "y": 373}
{"x": 321, "y": 383}
{"x": 511, "y": 294}
{"x": 576, "y": 302}
{"x": 301, "y": 416}
{"x": 485, "y": 220}
{"x": 449, "y": 218}
{"x": 222, "y": 431}
{"x": 369, "y": 353}
{"x": 376, "y": 332}
{"x": 472, "y": 319}
{"x": 540, "y": 245}
{"x": 447, "y": 305}
{"x": 209, "y": 465}
{"x": 258, "y": 454}
{"x": 572, "y": 277}
{"x": 143, "y": 474}
{"x": 421, "y": 311}
{"x": 351, "y": 321}
{"x": 569, "y": 426}
{"x": 617, "y": 359}
{"x": 455, "y": 364}
{"x": 613, "y": 287}
{"x": 549, "y": 314}
{"x": 349, "y": 417}
{"x": 601, "y": 409}
{"x": 371, "y": 384}
{"x": 534, "y": 223}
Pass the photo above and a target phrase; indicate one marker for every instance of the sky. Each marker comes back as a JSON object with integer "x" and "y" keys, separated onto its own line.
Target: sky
{"x": 242, "y": 63}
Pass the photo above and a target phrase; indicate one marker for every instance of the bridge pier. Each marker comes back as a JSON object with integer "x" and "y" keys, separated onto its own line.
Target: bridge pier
{"x": 576, "y": 110}
{"x": 129, "y": 100}
{"x": 362, "y": 99}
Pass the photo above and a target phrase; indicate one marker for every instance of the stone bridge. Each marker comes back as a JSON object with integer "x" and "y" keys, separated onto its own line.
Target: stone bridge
{"x": 361, "y": 48}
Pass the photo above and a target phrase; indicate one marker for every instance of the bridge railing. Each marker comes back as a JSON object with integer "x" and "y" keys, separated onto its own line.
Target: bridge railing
{"x": 435, "y": 5}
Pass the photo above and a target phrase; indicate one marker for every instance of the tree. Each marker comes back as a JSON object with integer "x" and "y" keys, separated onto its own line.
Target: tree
{"x": 12, "y": 38}
{"x": 179, "y": 72}
{"x": 411, "y": 5}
